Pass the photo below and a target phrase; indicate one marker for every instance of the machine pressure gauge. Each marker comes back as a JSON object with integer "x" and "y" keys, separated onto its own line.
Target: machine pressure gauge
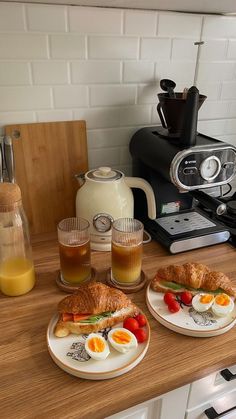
{"x": 210, "y": 168}
{"x": 102, "y": 222}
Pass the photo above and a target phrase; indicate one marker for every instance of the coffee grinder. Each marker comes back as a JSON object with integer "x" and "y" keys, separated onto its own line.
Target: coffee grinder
{"x": 181, "y": 164}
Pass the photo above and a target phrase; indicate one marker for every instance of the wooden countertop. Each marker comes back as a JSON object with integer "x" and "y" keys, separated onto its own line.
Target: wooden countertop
{"x": 33, "y": 386}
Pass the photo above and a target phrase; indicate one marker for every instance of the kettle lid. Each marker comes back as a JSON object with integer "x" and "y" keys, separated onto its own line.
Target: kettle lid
{"x": 104, "y": 174}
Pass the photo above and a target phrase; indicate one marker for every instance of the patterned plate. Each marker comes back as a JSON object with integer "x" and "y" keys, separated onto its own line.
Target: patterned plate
{"x": 187, "y": 321}
{"x": 69, "y": 354}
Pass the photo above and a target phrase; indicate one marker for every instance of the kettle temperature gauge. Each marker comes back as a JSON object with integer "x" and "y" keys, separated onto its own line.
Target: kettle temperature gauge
{"x": 102, "y": 222}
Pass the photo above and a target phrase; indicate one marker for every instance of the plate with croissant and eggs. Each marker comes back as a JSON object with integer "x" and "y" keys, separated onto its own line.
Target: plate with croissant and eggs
{"x": 97, "y": 333}
{"x": 192, "y": 300}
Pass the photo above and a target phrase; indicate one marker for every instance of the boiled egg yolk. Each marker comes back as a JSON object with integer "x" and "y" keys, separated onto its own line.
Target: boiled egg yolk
{"x": 222, "y": 300}
{"x": 222, "y": 305}
{"x": 206, "y": 298}
{"x": 97, "y": 347}
{"x": 202, "y": 302}
{"x": 122, "y": 339}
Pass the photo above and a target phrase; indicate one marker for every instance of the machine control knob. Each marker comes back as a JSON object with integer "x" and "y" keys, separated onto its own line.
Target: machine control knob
{"x": 190, "y": 170}
{"x": 228, "y": 165}
{"x": 221, "y": 209}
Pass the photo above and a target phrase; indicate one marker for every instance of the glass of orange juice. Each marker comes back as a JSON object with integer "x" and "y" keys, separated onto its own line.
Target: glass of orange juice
{"x": 17, "y": 275}
{"x": 126, "y": 251}
{"x": 74, "y": 250}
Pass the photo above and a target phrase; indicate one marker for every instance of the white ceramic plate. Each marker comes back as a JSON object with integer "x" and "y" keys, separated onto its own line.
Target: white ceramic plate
{"x": 187, "y": 321}
{"x": 116, "y": 363}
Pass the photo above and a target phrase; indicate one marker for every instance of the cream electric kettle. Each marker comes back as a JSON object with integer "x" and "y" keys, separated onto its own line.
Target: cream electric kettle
{"x": 105, "y": 196}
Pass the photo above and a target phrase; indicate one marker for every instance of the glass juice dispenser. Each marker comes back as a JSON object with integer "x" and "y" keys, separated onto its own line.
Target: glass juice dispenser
{"x": 17, "y": 275}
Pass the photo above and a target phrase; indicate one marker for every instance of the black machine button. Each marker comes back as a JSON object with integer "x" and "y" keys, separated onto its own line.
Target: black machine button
{"x": 228, "y": 165}
{"x": 190, "y": 170}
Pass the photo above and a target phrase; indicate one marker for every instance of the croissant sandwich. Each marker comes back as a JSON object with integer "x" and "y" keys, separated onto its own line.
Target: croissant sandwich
{"x": 93, "y": 307}
{"x": 191, "y": 276}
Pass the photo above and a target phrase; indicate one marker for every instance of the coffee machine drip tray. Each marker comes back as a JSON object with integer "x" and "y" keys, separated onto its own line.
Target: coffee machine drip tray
{"x": 187, "y": 230}
{"x": 184, "y": 223}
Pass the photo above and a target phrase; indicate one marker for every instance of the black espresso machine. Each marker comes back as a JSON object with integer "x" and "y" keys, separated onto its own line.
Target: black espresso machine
{"x": 181, "y": 164}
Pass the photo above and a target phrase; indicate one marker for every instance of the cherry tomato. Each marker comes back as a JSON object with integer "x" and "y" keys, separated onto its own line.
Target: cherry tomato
{"x": 141, "y": 335}
{"x": 186, "y": 297}
{"x": 168, "y": 297}
{"x": 141, "y": 319}
{"x": 131, "y": 324}
{"x": 174, "y": 306}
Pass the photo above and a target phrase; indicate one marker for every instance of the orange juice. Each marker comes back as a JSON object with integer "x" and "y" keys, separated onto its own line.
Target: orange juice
{"x": 17, "y": 276}
{"x": 126, "y": 263}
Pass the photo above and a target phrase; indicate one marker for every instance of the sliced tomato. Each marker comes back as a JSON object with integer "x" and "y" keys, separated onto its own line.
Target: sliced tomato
{"x": 78, "y": 317}
{"x": 67, "y": 317}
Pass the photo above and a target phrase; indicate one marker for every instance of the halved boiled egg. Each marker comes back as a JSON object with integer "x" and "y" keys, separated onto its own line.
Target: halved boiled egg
{"x": 222, "y": 305}
{"x": 122, "y": 339}
{"x": 97, "y": 347}
{"x": 202, "y": 302}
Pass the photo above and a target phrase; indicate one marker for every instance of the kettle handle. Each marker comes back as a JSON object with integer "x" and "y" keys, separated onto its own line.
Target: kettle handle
{"x": 137, "y": 182}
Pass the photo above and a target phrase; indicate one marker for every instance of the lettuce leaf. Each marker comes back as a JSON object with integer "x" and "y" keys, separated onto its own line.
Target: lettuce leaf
{"x": 175, "y": 287}
{"x": 96, "y": 317}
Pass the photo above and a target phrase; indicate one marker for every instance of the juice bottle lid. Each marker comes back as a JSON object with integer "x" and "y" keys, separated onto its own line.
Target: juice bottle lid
{"x": 10, "y": 193}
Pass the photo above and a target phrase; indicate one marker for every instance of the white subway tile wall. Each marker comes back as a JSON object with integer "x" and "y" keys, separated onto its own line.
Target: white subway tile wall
{"x": 110, "y": 95}
{"x": 69, "y": 46}
{"x": 113, "y": 47}
{"x": 231, "y": 54}
{"x": 11, "y": 17}
{"x": 138, "y": 72}
{"x": 106, "y": 71}
{"x": 219, "y": 27}
{"x": 70, "y": 96}
{"x": 14, "y": 73}
{"x": 25, "y": 98}
{"x": 104, "y": 65}
{"x": 139, "y": 22}
{"x": 47, "y": 19}
{"x": 176, "y": 25}
{"x": 95, "y": 20}
{"x": 23, "y": 46}
{"x": 155, "y": 49}
{"x": 50, "y": 72}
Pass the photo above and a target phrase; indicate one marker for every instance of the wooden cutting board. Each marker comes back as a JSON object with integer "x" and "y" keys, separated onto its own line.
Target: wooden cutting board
{"x": 47, "y": 157}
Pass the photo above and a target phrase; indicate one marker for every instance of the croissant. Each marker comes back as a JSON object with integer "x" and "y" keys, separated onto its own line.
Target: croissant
{"x": 194, "y": 275}
{"x": 93, "y": 298}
